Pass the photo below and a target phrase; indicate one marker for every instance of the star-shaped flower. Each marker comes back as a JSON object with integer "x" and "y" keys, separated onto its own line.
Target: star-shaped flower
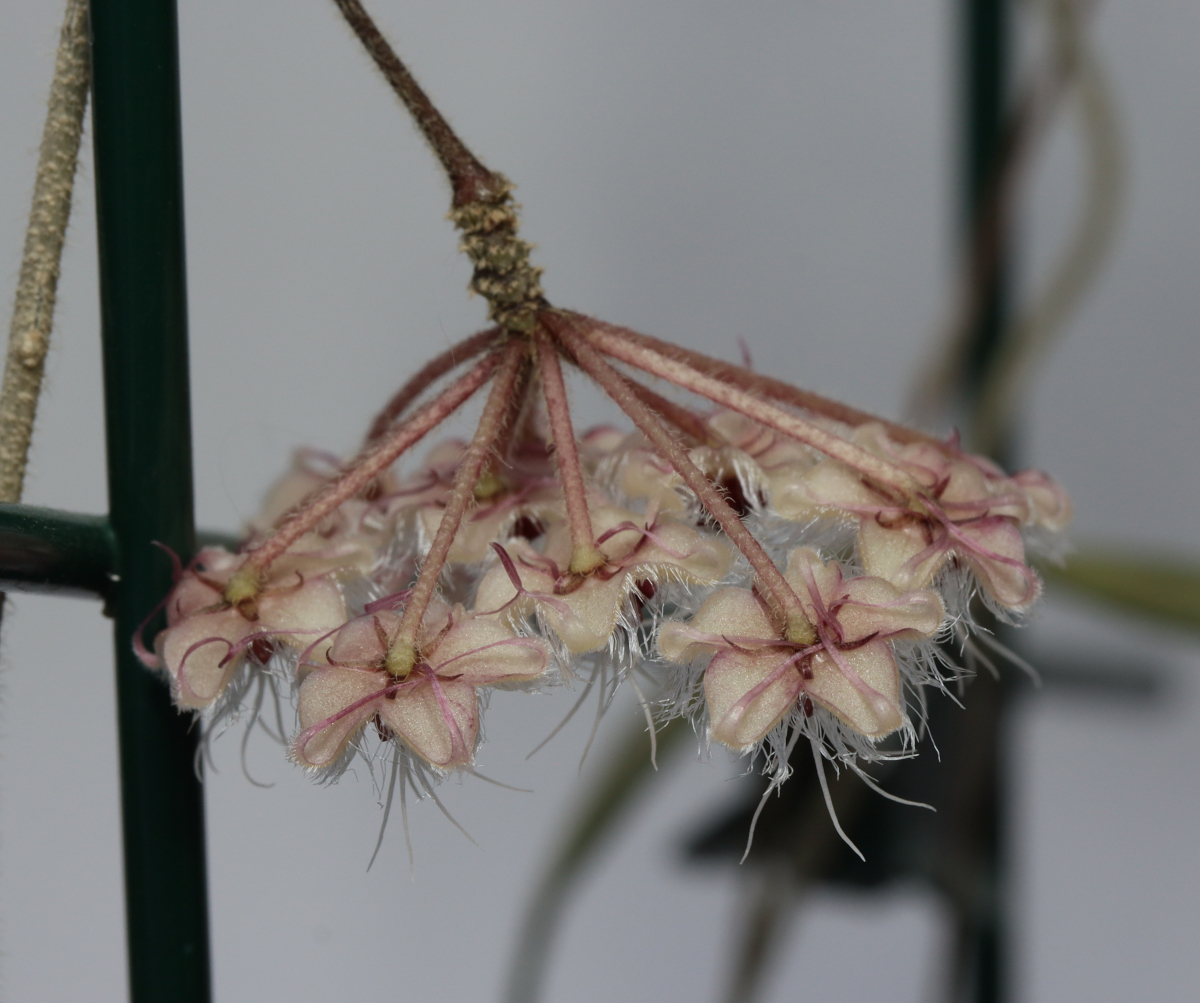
{"x": 207, "y": 639}
{"x": 755, "y": 677}
{"x": 583, "y": 610}
{"x": 434, "y": 708}
{"x": 959, "y": 507}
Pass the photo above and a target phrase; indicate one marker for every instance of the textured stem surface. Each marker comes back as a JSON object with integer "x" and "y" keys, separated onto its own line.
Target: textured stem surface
{"x": 470, "y": 180}
{"x": 585, "y": 555}
{"x": 434, "y": 369}
{"x": 402, "y": 653}
{"x": 368, "y": 465}
{"x": 33, "y": 310}
{"x": 688, "y": 422}
{"x": 682, "y": 375}
{"x": 757, "y": 383}
{"x": 771, "y": 583}
{"x": 482, "y": 206}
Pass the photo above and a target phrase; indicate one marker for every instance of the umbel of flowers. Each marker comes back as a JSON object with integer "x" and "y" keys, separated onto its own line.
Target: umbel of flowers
{"x": 783, "y": 563}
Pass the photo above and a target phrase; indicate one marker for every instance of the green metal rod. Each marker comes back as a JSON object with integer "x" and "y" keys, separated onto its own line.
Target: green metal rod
{"x": 45, "y": 550}
{"x": 139, "y": 196}
{"x": 985, "y": 47}
{"x": 53, "y": 552}
{"x": 982, "y": 949}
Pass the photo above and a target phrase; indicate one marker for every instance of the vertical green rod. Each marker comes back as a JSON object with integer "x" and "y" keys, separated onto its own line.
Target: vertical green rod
{"x": 984, "y": 27}
{"x": 985, "y": 54}
{"x": 139, "y": 194}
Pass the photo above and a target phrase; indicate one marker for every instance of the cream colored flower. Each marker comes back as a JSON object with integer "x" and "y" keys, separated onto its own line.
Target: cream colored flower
{"x": 207, "y": 639}
{"x": 434, "y": 709}
{"x": 583, "y": 610}
{"x": 963, "y": 509}
{"x": 755, "y": 677}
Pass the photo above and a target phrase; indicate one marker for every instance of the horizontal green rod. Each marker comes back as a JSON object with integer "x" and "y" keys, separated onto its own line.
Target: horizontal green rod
{"x": 63, "y": 553}
{"x": 45, "y": 550}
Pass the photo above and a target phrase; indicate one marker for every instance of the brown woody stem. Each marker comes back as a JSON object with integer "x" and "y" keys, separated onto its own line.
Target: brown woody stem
{"x": 368, "y": 465}
{"x": 403, "y": 654}
{"x": 434, "y": 369}
{"x": 470, "y": 180}
{"x": 482, "y": 206}
{"x": 771, "y": 584}
{"x": 586, "y": 557}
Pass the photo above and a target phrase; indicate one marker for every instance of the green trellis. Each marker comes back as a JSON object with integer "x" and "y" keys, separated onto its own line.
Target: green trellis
{"x": 139, "y": 199}
{"x": 139, "y": 196}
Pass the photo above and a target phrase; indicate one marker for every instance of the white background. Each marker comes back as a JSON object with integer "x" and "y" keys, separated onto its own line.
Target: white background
{"x": 702, "y": 171}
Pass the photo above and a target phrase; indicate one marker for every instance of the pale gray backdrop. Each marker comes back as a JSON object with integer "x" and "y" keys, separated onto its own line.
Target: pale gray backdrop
{"x": 779, "y": 171}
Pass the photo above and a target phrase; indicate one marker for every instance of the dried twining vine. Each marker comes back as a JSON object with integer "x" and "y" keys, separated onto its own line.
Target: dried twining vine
{"x": 782, "y": 563}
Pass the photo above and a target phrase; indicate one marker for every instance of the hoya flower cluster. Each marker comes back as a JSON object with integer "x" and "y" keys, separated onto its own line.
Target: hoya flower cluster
{"x": 781, "y": 565}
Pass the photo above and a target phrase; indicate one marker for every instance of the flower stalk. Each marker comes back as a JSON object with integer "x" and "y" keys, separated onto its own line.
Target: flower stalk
{"x": 420, "y": 381}
{"x": 784, "y": 602}
{"x": 586, "y": 557}
{"x": 682, "y": 375}
{"x": 403, "y": 653}
{"x": 372, "y": 462}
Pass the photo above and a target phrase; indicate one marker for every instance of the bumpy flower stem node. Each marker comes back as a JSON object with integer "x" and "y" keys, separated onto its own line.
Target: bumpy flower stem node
{"x": 503, "y": 275}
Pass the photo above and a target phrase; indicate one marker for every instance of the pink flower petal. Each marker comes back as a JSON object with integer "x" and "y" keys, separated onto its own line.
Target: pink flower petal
{"x": 438, "y": 719}
{"x": 901, "y": 554}
{"x": 194, "y": 654}
{"x": 727, "y": 613}
{"x": 996, "y": 553}
{"x": 334, "y": 703}
{"x": 748, "y": 694}
{"x": 483, "y": 651}
{"x": 1049, "y": 505}
{"x": 867, "y": 698}
{"x": 364, "y": 640}
{"x": 875, "y": 606}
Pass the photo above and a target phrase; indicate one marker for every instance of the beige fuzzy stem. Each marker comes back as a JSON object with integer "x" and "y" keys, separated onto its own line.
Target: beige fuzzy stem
{"x": 780, "y": 597}
{"x": 33, "y": 311}
{"x": 403, "y": 654}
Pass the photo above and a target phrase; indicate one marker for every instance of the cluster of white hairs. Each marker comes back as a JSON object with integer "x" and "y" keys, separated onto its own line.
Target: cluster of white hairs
{"x": 781, "y": 566}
